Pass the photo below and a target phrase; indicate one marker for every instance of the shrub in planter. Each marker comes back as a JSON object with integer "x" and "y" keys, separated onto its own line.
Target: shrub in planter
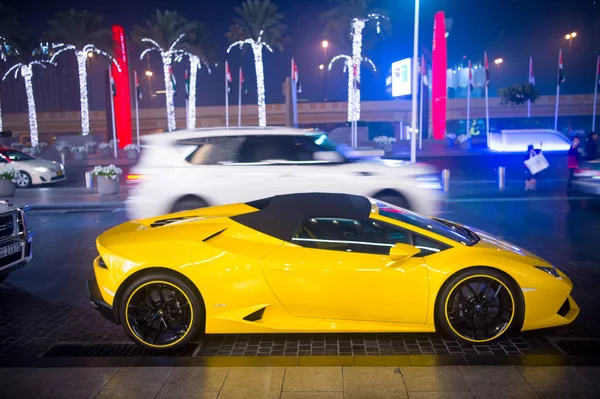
{"x": 63, "y": 147}
{"x": 108, "y": 179}
{"x": 79, "y": 153}
{"x": 91, "y": 147}
{"x": 41, "y": 148}
{"x": 450, "y": 137}
{"x": 385, "y": 142}
{"x": 8, "y": 177}
{"x": 104, "y": 149}
{"x": 465, "y": 141}
{"x": 132, "y": 150}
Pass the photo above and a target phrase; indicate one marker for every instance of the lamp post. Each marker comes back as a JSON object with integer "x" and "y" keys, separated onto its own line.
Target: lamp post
{"x": 413, "y": 123}
{"x": 325, "y": 45}
{"x": 498, "y": 61}
{"x": 570, "y": 37}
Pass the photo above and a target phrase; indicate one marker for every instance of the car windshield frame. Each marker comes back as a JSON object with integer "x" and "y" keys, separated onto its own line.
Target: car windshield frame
{"x": 22, "y": 155}
{"x": 443, "y": 228}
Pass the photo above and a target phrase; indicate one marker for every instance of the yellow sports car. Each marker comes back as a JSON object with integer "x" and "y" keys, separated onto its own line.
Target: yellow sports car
{"x": 317, "y": 262}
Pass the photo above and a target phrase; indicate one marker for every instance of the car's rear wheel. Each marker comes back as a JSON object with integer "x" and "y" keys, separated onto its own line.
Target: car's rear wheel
{"x": 188, "y": 203}
{"x": 24, "y": 180}
{"x": 161, "y": 311}
{"x": 479, "y": 305}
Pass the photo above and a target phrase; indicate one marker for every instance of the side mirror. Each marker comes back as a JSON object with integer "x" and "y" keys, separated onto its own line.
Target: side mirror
{"x": 403, "y": 251}
{"x": 328, "y": 156}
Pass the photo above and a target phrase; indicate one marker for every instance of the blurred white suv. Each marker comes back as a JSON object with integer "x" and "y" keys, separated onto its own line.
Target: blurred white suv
{"x": 192, "y": 169}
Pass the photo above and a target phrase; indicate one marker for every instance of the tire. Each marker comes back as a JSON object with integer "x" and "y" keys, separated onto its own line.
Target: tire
{"x": 394, "y": 199}
{"x": 188, "y": 203}
{"x": 161, "y": 311}
{"x": 25, "y": 180}
{"x": 464, "y": 306}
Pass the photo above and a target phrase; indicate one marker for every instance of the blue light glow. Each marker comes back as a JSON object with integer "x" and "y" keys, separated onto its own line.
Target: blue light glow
{"x": 518, "y": 140}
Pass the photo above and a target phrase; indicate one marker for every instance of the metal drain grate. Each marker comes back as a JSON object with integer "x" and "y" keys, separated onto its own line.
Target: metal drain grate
{"x": 579, "y": 347}
{"x": 114, "y": 350}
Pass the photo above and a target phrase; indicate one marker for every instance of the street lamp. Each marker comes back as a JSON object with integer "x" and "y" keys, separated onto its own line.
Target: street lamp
{"x": 570, "y": 37}
{"x": 498, "y": 61}
{"x": 90, "y": 54}
{"x": 325, "y": 45}
{"x": 149, "y": 73}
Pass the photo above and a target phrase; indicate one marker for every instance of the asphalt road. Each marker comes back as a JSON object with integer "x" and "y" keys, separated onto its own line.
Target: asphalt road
{"x": 46, "y": 303}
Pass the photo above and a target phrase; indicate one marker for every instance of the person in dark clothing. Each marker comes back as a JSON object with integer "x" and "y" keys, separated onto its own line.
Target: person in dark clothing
{"x": 530, "y": 178}
{"x": 591, "y": 147}
{"x": 573, "y": 161}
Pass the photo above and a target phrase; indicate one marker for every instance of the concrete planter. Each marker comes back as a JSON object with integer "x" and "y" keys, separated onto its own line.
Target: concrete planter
{"x": 466, "y": 145}
{"x": 107, "y": 186}
{"x": 79, "y": 156}
{"x": 105, "y": 152}
{"x": 92, "y": 149}
{"x": 132, "y": 154}
{"x": 7, "y": 188}
{"x": 388, "y": 147}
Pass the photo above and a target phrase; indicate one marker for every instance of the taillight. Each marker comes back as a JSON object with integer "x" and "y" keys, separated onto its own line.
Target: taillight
{"x": 134, "y": 178}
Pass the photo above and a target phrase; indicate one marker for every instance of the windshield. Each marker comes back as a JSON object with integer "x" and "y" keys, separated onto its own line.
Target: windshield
{"x": 15, "y": 155}
{"x": 437, "y": 226}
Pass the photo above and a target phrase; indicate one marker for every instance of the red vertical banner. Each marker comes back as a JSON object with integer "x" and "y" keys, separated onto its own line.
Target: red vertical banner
{"x": 122, "y": 84}
{"x": 439, "y": 65}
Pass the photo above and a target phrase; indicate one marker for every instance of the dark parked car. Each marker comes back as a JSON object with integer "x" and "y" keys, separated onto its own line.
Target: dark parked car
{"x": 15, "y": 239}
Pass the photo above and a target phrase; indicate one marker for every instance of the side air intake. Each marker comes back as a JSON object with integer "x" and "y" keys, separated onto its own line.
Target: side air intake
{"x": 255, "y": 316}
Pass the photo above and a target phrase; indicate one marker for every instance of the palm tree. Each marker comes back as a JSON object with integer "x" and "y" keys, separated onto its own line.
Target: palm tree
{"x": 162, "y": 33}
{"x": 356, "y": 14}
{"x": 78, "y": 31}
{"x": 352, "y": 82}
{"x": 200, "y": 51}
{"x": 28, "y": 53}
{"x": 258, "y": 23}
{"x": 9, "y": 23}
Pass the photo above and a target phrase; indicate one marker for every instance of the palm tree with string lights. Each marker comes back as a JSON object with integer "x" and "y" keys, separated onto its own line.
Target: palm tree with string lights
{"x": 199, "y": 50}
{"x": 355, "y": 14}
{"x": 352, "y": 81}
{"x": 83, "y": 33}
{"x": 258, "y": 24}
{"x": 9, "y": 27}
{"x": 29, "y": 54}
{"x": 162, "y": 33}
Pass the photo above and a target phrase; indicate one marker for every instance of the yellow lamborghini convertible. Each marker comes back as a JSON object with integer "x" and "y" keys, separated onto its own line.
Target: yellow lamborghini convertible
{"x": 317, "y": 262}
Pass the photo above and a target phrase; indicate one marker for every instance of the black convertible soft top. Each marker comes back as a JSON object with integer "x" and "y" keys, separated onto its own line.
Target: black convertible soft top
{"x": 279, "y": 216}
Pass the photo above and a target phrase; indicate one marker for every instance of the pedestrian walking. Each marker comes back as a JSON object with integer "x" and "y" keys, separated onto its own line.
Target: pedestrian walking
{"x": 591, "y": 147}
{"x": 573, "y": 161}
{"x": 530, "y": 178}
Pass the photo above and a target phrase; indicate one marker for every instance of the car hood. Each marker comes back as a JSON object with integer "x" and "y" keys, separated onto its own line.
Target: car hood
{"x": 37, "y": 163}
{"x": 489, "y": 241}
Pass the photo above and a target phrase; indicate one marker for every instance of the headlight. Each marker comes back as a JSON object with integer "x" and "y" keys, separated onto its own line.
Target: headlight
{"x": 41, "y": 169}
{"x": 549, "y": 269}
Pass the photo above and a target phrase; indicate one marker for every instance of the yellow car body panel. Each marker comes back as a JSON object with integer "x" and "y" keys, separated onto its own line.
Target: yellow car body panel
{"x": 239, "y": 270}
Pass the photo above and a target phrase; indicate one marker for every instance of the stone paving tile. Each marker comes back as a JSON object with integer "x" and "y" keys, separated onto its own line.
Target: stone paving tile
{"x": 493, "y": 377}
{"x": 569, "y": 395}
{"x": 592, "y": 374}
{"x": 309, "y": 379}
{"x": 27, "y": 382}
{"x": 132, "y": 383}
{"x": 78, "y": 383}
{"x": 188, "y": 381}
{"x": 440, "y": 395}
{"x": 373, "y": 383}
{"x": 556, "y": 379}
{"x": 500, "y": 392}
{"x": 312, "y": 395}
{"x": 433, "y": 379}
{"x": 253, "y": 383}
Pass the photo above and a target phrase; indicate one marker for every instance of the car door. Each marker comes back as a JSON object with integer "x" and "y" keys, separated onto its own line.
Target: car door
{"x": 341, "y": 269}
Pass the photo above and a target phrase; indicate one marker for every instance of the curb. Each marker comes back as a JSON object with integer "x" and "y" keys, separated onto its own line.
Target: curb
{"x": 75, "y": 206}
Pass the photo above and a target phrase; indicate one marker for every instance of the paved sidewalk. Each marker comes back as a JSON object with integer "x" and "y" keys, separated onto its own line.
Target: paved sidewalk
{"x": 302, "y": 382}
{"x": 67, "y": 198}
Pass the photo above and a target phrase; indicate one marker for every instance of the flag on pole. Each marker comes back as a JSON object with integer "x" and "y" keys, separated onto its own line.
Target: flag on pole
{"x": 531, "y": 77}
{"x": 113, "y": 87}
{"x": 424, "y": 78}
{"x": 243, "y": 82}
{"x": 138, "y": 91}
{"x": 356, "y": 80}
{"x": 173, "y": 80}
{"x": 487, "y": 70}
{"x": 561, "y": 73}
{"x": 228, "y": 77}
{"x": 296, "y": 77}
{"x": 186, "y": 78}
{"x": 471, "y": 83}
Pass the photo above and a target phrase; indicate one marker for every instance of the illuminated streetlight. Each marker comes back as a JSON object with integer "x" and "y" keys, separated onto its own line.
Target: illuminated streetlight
{"x": 90, "y": 54}
{"x": 568, "y": 36}
{"x": 498, "y": 61}
{"x": 574, "y": 34}
{"x": 325, "y": 43}
{"x": 149, "y": 73}
{"x": 321, "y": 67}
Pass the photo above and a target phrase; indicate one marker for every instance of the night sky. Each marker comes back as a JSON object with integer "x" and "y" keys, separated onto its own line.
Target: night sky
{"x": 511, "y": 29}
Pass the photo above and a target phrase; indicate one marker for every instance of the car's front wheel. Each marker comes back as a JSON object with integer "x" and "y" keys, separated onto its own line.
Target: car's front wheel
{"x": 161, "y": 311}
{"x": 24, "y": 180}
{"x": 479, "y": 305}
